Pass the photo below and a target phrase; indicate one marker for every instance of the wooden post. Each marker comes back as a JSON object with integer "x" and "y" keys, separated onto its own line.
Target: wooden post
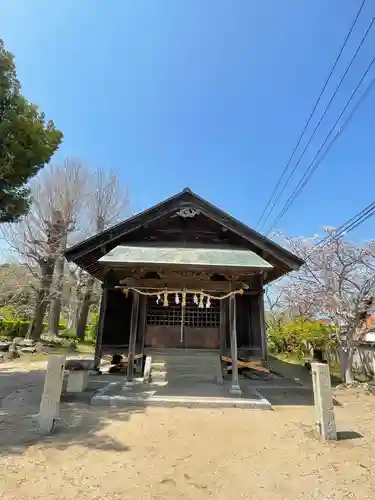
{"x": 142, "y": 330}
{"x": 223, "y": 329}
{"x": 325, "y": 417}
{"x": 142, "y": 320}
{"x": 182, "y": 326}
{"x": 235, "y": 388}
{"x": 132, "y": 337}
{"x": 262, "y": 325}
{"x": 99, "y": 333}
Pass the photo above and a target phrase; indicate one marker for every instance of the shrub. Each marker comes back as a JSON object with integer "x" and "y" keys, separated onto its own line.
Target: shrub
{"x": 92, "y": 328}
{"x": 11, "y": 329}
{"x": 19, "y": 328}
{"x": 69, "y": 334}
{"x": 298, "y": 336}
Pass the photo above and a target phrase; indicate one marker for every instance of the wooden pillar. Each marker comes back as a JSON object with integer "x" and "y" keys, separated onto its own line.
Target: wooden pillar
{"x": 182, "y": 326}
{"x": 141, "y": 332}
{"x": 99, "y": 333}
{"x": 235, "y": 388}
{"x": 142, "y": 321}
{"x": 263, "y": 334}
{"x": 132, "y": 337}
{"x": 223, "y": 327}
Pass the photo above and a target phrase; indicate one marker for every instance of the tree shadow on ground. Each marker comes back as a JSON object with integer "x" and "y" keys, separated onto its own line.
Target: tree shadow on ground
{"x": 79, "y": 423}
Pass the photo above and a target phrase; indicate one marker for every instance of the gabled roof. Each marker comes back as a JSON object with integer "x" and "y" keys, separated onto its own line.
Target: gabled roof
{"x": 182, "y": 256}
{"x": 184, "y": 199}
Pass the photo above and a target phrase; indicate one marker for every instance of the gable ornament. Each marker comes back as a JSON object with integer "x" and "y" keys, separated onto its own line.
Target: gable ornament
{"x": 187, "y": 213}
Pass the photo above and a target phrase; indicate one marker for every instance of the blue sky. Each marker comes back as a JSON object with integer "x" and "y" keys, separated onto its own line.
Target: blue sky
{"x": 210, "y": 94}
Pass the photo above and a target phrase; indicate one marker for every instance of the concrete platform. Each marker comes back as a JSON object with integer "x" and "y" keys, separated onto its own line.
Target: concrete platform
{"x": 193, "y": 395}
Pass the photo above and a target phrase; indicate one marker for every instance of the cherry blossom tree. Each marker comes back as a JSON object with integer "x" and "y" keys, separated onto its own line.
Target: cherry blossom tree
{"x": 337, "y": 281}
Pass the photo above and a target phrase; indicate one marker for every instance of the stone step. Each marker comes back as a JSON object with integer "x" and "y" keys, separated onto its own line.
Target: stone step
{"x": 180, "y": 360}
{"x": 179, "y": 371}
{"x": 179, "y": 366}
{"x": 180, "y": 401}
{"x": 183, "y": 367}
{"x": 175, "y": 373}
{"x": 182, "y": 352}
{"x": 182, "y": 370}
{"x": 184, "y": 361}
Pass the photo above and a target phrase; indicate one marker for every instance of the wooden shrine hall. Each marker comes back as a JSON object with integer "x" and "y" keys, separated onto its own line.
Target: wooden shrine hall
{"x": 182, "y": 275}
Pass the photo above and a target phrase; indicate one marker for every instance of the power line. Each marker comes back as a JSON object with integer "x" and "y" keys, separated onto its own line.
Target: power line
{"x": 345, "y": 228}
{"x": 348, "y": 226}
{"x": 360, "y": 222}
{"x": 319, "y": 122}
{"x": 358, "y": 219}
{"x": 312, "y": 168}
{"x": 313, "y": 110}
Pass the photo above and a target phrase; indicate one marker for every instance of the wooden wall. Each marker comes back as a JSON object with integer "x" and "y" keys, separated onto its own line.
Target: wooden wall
{"x": 116, "y": 328}
{"x": 249, "y": 333}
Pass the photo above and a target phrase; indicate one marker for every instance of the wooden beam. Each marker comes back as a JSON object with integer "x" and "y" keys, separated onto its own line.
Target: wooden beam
{"x": 180, "y": 283}
{"x": 255, "y": 364}
{"x": 220, "y": 287}
{"x": 133, "y": 337}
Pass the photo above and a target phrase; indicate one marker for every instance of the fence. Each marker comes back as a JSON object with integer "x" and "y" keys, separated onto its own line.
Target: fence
{"x": 363, "y": 360}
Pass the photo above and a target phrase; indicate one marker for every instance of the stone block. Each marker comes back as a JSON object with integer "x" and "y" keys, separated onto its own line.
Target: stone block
{"x": 4, "y": 346}
{"x": 25, "y": 342}
{"x": 50, "y": 402}
{"x": 147, "y": 369}
{"x": 325, "y": 417}
{"x": 27, "y": 350}
{"x": 12, "y": 353}
{"x": 77, "y": 380}
{"x": 39, "y": 346}
{"x": 80, "y": 364}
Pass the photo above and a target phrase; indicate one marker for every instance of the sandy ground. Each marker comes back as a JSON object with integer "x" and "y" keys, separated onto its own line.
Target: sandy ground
{"x": 166, "y": 453}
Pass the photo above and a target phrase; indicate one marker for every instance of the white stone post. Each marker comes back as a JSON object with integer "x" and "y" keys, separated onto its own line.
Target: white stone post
{"x": 325, "y": 417}
{"x": 50, "y": 402}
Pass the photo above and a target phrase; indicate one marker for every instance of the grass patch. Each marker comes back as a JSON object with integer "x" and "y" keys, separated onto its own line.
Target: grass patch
{"x": 292, "y": 359}
{"x": 289, "y": 358}
{"x": 81, "y": 349}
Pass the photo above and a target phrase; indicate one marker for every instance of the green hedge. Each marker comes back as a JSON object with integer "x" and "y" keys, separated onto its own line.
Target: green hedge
{"x": 18, "y": 328}
{"x": 10, "y": 329}
{"x": 13, "y": 329}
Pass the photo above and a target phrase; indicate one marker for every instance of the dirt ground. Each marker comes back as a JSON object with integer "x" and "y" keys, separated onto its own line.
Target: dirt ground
{"x": 181, "y": 453}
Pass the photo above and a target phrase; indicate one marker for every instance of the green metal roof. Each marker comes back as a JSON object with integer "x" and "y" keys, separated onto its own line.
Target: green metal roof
{"x": 216, "y": 257}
